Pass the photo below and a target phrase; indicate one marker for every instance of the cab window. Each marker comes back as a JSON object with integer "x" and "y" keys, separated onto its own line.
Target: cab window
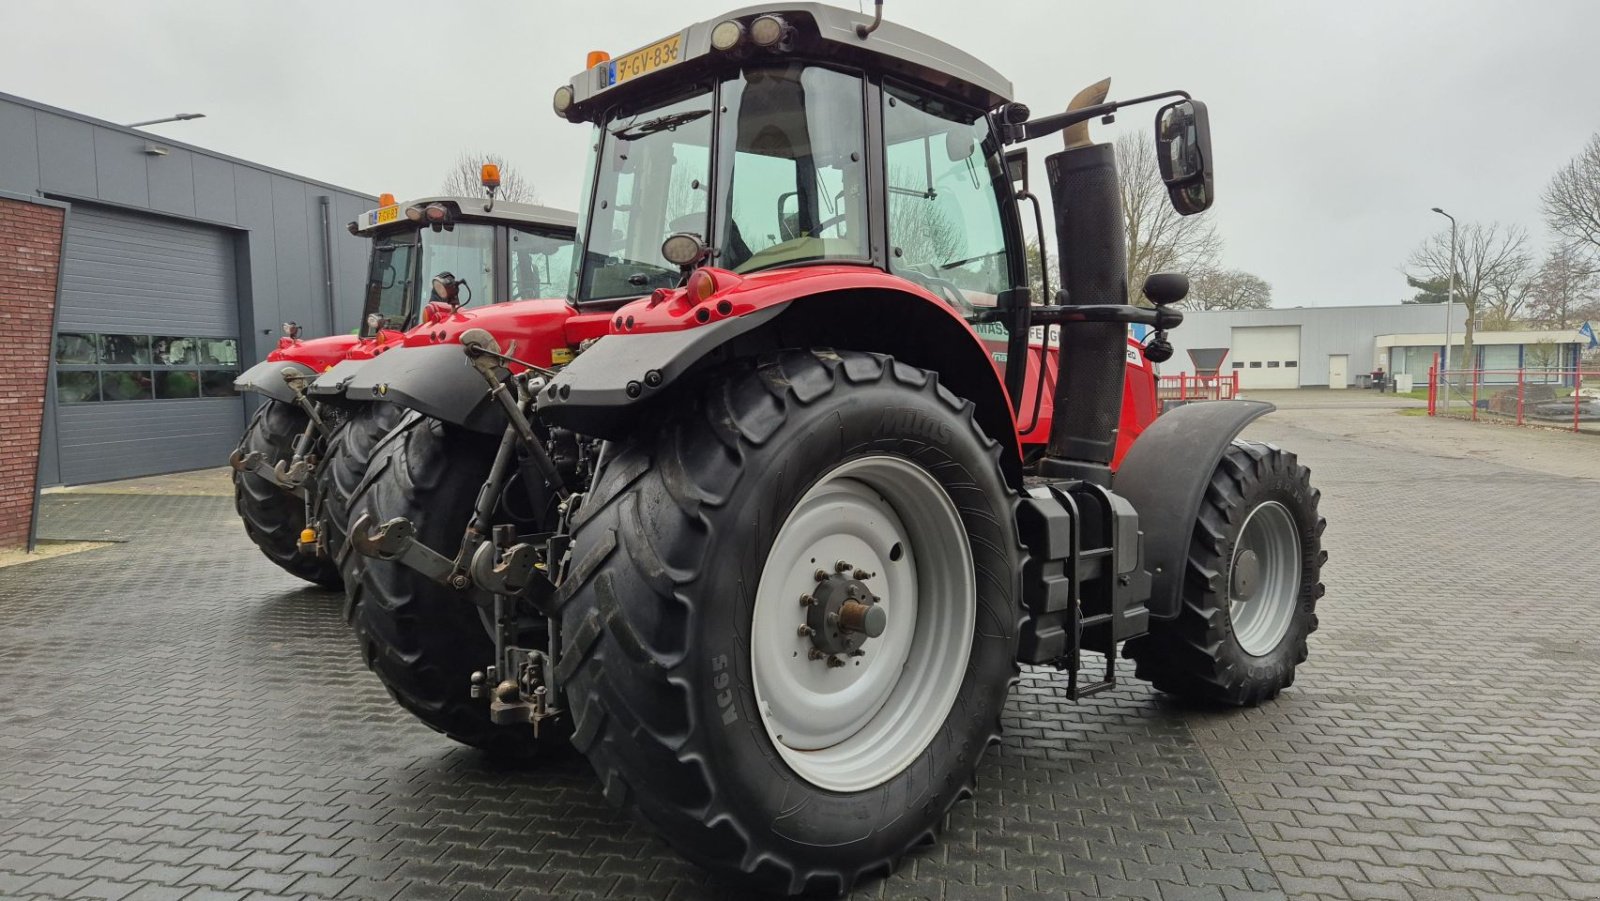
{"x": 540, "y": 264}
{"x": 796, "y": 176}
{"x": 945, "y": 229}
{"x": 655, "y": 166}
{"x": 466, "y": 252}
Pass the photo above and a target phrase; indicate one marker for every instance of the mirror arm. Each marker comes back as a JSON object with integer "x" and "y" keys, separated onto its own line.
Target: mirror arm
{"x": 1049, "y": 125}
{"x": 1044, "y": 255}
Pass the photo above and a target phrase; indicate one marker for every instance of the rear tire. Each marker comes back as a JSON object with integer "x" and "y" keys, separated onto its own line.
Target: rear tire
{"x": 274, "y": 518}
{"x": 350, "y": 450}
{"x": 682, "y": 662}
{"x": 1251, "y": 586}
{"x": 423, "y": 639}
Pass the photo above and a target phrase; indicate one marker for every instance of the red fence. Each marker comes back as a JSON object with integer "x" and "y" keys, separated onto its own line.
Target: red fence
{"x": 1554, "y": 397}
{"x": 1184, "y": 386}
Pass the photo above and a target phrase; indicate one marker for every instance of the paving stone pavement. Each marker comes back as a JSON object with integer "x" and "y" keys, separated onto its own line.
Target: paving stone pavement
{"x": 179, "y": 719}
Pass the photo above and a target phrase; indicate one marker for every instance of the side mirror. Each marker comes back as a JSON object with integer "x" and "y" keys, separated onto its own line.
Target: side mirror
{"x": 1163, "y": 288}
{"x": 1183, "y": 150}
{"x": 1017, "y": 168}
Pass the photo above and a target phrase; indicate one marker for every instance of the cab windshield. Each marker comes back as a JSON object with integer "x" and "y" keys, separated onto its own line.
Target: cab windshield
{"x": 405, "y": 262}
{"x": 792, "y": 153}
{"x": 391, "y": 282}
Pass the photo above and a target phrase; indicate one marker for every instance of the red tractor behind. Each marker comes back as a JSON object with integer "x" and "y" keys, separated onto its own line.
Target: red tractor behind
{"x": 307, "y": 445}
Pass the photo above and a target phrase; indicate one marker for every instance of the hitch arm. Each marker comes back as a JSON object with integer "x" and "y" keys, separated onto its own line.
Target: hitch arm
{"x": 396, "y": 540}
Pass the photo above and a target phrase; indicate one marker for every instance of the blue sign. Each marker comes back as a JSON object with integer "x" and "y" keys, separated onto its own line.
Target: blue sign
{"x": 1587, "y": 330}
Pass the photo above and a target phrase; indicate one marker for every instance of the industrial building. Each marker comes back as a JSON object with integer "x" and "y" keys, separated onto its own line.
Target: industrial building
{"x": 136, "y": 273}
{"x": 1334, "y": 346}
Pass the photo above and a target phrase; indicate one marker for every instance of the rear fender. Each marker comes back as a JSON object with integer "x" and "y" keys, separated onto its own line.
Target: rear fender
{"x": 266, "y": 378}
{"x": 1165, "y": 474}
{"x": 604, "y": 390}
{"x": 437, "y": 381}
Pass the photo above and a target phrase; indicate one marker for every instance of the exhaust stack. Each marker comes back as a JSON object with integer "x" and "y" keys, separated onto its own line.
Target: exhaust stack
{"x": 1093, "y": 255}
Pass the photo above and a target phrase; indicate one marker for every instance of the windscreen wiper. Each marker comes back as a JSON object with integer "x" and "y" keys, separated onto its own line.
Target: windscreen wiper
{"x": 660, "y": 123}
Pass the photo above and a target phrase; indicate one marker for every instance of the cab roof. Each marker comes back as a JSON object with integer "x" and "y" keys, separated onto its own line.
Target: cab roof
{"x": 471, "y": 209}
{"x": 822, "y": 32}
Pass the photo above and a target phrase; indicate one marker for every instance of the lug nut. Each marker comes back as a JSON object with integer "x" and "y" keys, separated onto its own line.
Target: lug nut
{"x": 834, "y": 662}
{"x": 807, "y": 600}
{"x": 863, "y": 574}
{"x": 821, "y": 575}
{"x": 842, "y": 566}
{"x": 804, "y": 631}
{"x": 459, "y": 582}
{"x": 815, "y": 654}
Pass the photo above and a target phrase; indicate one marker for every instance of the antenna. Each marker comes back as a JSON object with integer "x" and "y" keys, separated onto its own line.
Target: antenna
{"x": 877, "y": 19}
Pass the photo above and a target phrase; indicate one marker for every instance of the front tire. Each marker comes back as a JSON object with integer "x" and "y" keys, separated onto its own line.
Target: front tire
{"x": 274, "y": 518}
{"x": 693, "y": 689}
{"x": 1251, "y": 586}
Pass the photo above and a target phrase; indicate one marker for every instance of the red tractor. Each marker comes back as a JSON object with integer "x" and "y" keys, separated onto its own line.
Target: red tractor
{"x": 768, "y": 517}
{"x": 307, "y": 444}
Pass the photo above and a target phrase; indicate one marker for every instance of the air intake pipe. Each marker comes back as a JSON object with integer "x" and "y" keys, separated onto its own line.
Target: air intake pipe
{"x": 1093, "y": 257}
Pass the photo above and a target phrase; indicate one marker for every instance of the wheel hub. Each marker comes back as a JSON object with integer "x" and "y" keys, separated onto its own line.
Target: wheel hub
{"x": 856, "y": 680}
{"x": 842, "y": 613}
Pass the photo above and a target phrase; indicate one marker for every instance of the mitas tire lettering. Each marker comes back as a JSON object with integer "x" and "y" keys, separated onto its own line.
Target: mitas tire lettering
{"x": 907, "y": 422}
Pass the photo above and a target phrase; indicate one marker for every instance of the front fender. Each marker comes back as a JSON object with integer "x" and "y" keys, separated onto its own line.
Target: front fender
{"x": 1165, "y": 474}
{"x": 266, "y": 378}
{"x": 437, "y": 381}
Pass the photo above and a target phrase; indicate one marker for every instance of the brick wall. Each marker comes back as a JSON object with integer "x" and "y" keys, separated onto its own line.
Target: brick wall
{"x": 30, "y": 249}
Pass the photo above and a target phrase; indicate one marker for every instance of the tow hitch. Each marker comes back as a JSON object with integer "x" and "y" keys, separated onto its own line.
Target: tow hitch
{"x": 289, "y": 475}
{"x": 523, "y": 679}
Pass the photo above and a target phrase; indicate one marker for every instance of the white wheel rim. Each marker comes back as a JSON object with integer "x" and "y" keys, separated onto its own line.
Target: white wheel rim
{"x": 848, "y": 728}
{"x": 1264, "y": 579}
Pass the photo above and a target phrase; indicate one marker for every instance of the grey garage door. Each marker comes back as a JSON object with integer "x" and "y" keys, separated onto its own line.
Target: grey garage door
{"x": 147, "y": 346}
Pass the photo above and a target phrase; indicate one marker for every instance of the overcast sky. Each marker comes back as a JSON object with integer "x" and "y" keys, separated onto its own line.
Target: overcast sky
{"x": 1337, "y": 124}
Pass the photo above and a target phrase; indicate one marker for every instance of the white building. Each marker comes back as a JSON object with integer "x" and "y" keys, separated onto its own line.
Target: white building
{"x": 1331, "y": 346}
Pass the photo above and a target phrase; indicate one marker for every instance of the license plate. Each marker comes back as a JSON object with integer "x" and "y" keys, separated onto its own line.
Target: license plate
{"x": 388, "y": 214}
{"x": 656, "y": 56}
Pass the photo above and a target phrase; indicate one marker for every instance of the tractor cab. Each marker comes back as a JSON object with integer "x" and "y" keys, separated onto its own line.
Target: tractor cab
{"x": 775, "y": 139}
{"x": 453, "y": 251}
{"x": 787, "y": 141}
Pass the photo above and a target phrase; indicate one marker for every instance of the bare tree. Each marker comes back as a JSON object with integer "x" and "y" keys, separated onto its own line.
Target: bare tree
{"x": 1159, "y": 240}
{"x": 922, "y": 228}
{"x": 1566, "y": 289}
{"x": 1572, "y": 199}
{"x": 465, "y": 179}
{"x": 1490, "y": 258}
{"x": 1232, "y": 289}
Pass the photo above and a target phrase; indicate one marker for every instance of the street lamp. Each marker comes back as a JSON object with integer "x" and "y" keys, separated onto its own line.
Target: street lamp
{"x": 181, "y": 117}
{"x": 1449, "y": 304}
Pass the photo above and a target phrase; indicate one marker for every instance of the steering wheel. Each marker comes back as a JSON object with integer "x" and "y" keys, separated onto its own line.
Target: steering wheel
{"x": 829, "y": 223}
{"x": 941, "y": 286}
